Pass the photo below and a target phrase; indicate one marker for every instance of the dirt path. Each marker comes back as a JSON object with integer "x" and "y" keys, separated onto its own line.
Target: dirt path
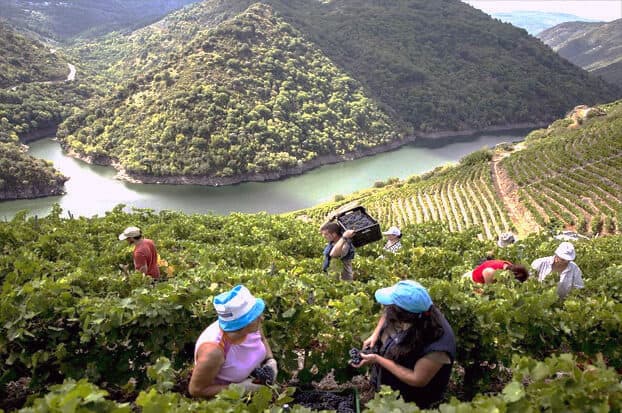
{"x": 70, "y": 78}
{"x": 523, "y": 220}
{"x": 72, "y": 73}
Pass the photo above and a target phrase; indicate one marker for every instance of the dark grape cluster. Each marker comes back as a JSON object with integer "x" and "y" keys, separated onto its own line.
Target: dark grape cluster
{"x": 355, "y": 356}
{"x": 324, "y": 400}
{"x": 356, "y": 220}
{"x": 263, "y": 375}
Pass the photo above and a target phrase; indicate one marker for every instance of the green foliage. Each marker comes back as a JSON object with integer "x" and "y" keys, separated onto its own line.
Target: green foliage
{"x": 22, "y": 176}
{"x": 64, "y": 21}
{"x": 23, "y": 60}
{"x": 477, "y": 157}
{"x": 76, "y": 397}
{"x": 248, "y": 97}
{"x": 443, "y": 65}
{"x": 68, "y": 312}
{"x": 571, "y": 176}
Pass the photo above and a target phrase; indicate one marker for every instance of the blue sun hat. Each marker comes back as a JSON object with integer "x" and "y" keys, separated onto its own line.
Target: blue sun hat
{"x": 408, "y": 295}
{"x": 237, "y": 308}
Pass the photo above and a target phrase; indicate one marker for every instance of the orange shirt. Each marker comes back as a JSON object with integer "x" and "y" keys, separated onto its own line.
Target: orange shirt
{"x": 145, "y": 253}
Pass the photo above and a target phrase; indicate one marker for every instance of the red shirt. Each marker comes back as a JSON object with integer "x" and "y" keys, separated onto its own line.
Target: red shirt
{"x": 145, "y": 253}
{"x": 478, "y": 275}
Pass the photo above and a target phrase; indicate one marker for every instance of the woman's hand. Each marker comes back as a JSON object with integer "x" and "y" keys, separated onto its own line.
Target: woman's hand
{"x": 349, "y": 233}
{"x": 367, "y": 359}
{"x": 370, "y": 342}
{"x": 271, "y": 363}
{"x": 249, "y": 386}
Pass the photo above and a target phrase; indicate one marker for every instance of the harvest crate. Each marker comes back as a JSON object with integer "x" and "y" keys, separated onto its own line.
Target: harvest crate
{"x": 366, "y": 228}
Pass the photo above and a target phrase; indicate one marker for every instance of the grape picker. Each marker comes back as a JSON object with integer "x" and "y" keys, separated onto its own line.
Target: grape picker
{"x": 233, "y": 349}
{"x": 413, "y": 345}
{"x": 339, "y": 246}
{"x": 145, "y": 254}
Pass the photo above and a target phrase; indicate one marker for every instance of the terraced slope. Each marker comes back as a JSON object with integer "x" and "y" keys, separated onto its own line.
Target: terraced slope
{"x": 567, "y": 175}
{"x": 460, "y": 196}
{"x": 573, "y": 175}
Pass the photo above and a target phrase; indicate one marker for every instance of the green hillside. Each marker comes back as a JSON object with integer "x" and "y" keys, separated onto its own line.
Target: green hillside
{"x": 566, "y": 175}
{"x": 33, "y": 97}
{"x": 401, "y": 55}
{"x": 67, "y": 313}
{"x": 443, "y": 65}
{"x": 592, "y": 46}
{"x": 23, "y": 60}
{"x": 22, "y": 176}
{"x": 248, "y": 97}
{"x": 68, "y": 19}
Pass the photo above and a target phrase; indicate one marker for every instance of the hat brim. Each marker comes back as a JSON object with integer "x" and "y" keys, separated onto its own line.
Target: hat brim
{"x": 122, "y": 237}
{"x": 566, "y": 257}
{"x": 383, "y": 295}
{"x": 245, "y": 320}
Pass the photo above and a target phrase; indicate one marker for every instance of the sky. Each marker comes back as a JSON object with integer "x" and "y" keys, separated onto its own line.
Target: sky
{"x": 604, "y": 10}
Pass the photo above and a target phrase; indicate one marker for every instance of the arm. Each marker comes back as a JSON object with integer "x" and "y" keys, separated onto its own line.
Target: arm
{"x": 489, "y": 275}
{"x": 569, "y": 279}
{"x": 371, "y": 341}
{"x": 424, "y": 371}
{"x": 267, "y": 346}
{"x": 210, "y": 359}
{"x": 140, "y": 262}
{"x": 536, "y": 265}
{"x": 341, "y": 247}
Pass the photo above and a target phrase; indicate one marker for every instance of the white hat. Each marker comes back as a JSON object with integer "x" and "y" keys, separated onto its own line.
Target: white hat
{"x": 393, "y": 231}
{"x": 565, "y": 251}
{"x": 130, "y": 232}
{"x": 505, "y": 239}
{"x": 237, "y": 308}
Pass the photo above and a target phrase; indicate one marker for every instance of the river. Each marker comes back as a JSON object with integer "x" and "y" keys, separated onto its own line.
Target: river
{"x": 92, "y": 190}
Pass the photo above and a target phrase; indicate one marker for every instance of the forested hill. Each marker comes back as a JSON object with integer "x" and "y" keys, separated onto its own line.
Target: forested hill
{"x": 63, "y": 20}
{"x": 592, "y": 46}
{"x": 23, "y": 60}
{"x": 26, "y": 67}
{"x": 443, "y": 64}
{"x": 248, "y": 97}
{"x": 22, "y": 176}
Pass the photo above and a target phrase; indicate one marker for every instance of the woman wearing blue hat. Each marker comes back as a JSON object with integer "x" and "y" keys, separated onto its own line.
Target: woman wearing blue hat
{"x": 414, "y": 345}
{"x": 232, "y": 347}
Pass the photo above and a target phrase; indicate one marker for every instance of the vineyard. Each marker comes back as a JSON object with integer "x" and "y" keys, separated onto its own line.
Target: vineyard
{"x": 573, "y": 175}
{"x": 77, "y": 334}
{"x": 558, "y": 177}
{"x": 461, "y": 197}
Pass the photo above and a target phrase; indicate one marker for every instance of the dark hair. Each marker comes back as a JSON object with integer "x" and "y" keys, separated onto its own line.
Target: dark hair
{"x": 332, "y": 227}
{"x": 425, "y": 328}
{"x": 519, "y": 271}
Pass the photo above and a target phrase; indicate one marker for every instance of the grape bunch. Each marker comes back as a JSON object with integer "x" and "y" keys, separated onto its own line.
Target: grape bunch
{"x": 324, "y": 400}
{"x": 356, "y": 221}
{"x": 355, "y": 356}
{"x": 263, "y": 375}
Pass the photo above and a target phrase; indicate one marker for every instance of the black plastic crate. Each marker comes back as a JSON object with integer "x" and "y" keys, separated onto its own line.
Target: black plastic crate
{"x": 343, "y": 401}
{"x": 366, "y": 228}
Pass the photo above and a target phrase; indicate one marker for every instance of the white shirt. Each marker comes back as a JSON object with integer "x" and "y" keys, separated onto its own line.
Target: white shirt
{"x": 568, "y": 279}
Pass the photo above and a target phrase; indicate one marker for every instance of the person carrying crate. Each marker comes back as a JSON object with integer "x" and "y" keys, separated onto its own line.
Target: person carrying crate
{"x": 339, "y": 246}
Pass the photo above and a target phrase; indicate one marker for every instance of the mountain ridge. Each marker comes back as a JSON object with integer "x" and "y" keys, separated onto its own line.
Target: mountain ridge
{"x": 592, "y": 46}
